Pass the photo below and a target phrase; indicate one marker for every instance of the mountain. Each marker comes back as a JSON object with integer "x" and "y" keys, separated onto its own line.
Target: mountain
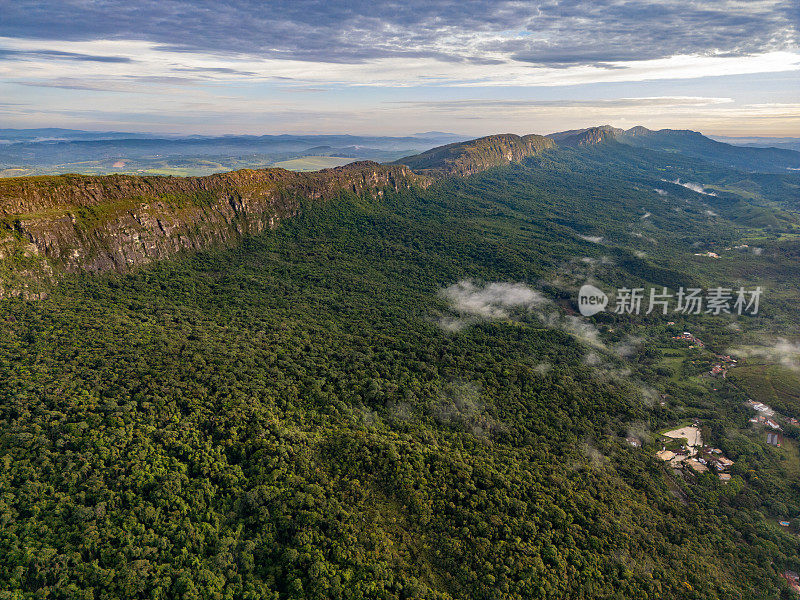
{"x": 391, "y": 394}
{"x": 785, "y": 143}
{"x": 117, "y": 222}
{"x": 389, "y": 391}
{"x": 64, "y": 224}
{"x": 696, "y": 145}
{"x": 55, "y": 134}
{"x": 474, "y": 156}
{"x": 585, "y": 137}
{"x": 688, "y": 143}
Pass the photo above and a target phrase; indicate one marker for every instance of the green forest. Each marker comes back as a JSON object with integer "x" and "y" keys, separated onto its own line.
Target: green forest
{"x": 307, "y": 415}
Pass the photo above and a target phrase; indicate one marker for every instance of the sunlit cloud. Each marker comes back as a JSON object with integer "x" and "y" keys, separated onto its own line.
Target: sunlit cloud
{"x": 366, "y": 67}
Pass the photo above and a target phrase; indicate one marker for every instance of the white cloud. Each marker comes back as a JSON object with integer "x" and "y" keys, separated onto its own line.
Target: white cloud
{"x": 782, "y": 352}
{"x": 695, "y": 187}
{"x": 595, "y": 239}
{"x": 492, "y": 300}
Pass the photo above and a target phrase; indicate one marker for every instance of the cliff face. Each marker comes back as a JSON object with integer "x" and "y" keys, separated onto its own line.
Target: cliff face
{"x": 474, "y": 156}
{"x": 67, "y": 223}
{"x": 50, "y": 225}
{"x": 577, "y": 138}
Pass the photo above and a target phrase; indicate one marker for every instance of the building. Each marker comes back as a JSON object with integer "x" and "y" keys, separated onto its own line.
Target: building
{"x": 793, "y": 580}
{"x": 774, "y": 438}
{"x": 723, "y": 463}
{"x": 724, "y": 477}
{"x": 665, "y": 454}
{"x": 696, "y": 466}
{"x": 679, "y": 458}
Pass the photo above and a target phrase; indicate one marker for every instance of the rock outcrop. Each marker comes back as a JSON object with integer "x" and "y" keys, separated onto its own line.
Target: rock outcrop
{"x": 50, "y": 225}
{"x": 466, "y": 158}
{"x": 577, "y": 138}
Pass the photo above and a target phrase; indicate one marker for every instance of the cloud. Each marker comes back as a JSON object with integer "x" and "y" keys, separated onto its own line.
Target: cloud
{"x": 460, "y": 405}
{"x": 782, "y": 352}
{"x": 498, "y": 300}
{"x": 492, "y": 300}
{"x": 121, "y": 84}
{"x": 695, "y": 187}
{"x": 592, "y": 359}
{"x": 600, "y": 103}
{"x": 595, "y": 239}
{"x": 555, "y": 34}
{"x": 582, "y": 330}
{"x": 215, "y": 71}
{"x": 6, "y": 54}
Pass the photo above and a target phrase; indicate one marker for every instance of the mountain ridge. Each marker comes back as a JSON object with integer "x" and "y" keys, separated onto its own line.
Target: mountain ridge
{"x": 67, "y": 223}
{"x": 473, "y": 156}
{"x": 687, "y": 142}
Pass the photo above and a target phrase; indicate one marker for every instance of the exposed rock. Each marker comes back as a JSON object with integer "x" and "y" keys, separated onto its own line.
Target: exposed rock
{"x": 474, "y": 156}
{"x": 577, "y": 138}
{"x": 50, "y": 225}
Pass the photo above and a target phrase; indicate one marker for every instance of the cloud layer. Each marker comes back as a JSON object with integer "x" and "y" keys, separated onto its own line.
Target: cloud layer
{"x": 385, "y": 67}
{"x": 553, "y": 33}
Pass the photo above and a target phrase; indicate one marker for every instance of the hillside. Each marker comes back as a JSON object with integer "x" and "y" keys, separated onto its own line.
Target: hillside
{"x": 50, "y": 225}
{"x": 687, "y": 143}
{"x": 696, "y": 145}
{"x": 53, "y": 225}
{"x": 576, "y": 138}
{"x": 474, "y": 156}
{"x": 390, "y": 395}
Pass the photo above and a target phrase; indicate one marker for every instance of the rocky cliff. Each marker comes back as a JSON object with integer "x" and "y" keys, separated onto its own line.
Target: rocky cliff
{"x": 467, "y": 158}
{"x": 67, "y": 223}
{"x": 577, "y": 138}
{"x": 51, "y": 225}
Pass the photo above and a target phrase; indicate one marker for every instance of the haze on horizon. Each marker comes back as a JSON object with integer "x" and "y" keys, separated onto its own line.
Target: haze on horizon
{"x": 387, "y": 68}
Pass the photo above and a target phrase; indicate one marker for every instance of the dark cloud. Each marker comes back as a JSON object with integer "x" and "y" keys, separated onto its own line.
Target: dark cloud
{"x": 59, "y": 55}
{"x": 554, "y": 33}
{"x": 122, "y": 84}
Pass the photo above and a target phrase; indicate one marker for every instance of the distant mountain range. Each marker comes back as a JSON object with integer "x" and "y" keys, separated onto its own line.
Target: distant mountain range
{"x": 50, "y": 151}
{"x": 787, "y": 143}
{"x": 53, "y": 151}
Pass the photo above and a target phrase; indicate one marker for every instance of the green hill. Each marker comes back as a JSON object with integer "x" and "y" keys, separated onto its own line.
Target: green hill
{"x": 389, "y": 394}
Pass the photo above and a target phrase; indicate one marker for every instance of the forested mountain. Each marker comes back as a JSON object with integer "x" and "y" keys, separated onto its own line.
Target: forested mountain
{"x": 474, "y": 156}
{"x": 389, "y": 393}
{"x": 688, "y": 143}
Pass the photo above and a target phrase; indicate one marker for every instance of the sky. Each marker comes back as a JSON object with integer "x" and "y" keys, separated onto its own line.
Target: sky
{"x": 472, "y": 67}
